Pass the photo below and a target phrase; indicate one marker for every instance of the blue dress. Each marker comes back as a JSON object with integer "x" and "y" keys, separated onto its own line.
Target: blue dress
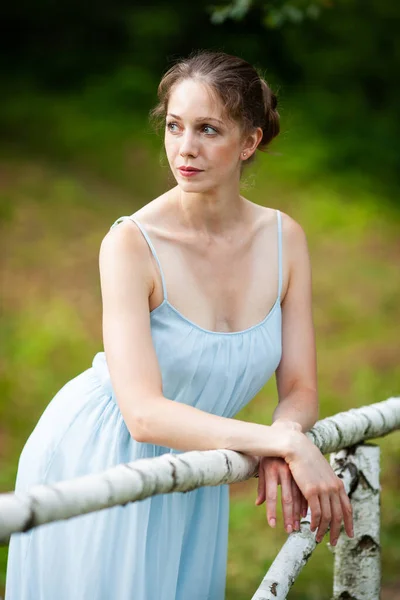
{"x": 167, "y": 547}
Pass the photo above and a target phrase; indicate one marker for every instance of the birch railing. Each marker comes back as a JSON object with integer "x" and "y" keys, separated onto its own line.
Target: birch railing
{"x": 357, "y": 560}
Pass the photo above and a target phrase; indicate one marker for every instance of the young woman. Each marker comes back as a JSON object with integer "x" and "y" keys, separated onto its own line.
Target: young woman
{"x": 205, "y": 296}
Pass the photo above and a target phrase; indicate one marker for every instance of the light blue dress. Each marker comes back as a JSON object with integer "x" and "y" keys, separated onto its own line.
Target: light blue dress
{"x": 167, "y": 547}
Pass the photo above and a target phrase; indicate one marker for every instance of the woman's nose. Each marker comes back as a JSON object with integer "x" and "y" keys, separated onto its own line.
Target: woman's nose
{"x": 189, "y": 145}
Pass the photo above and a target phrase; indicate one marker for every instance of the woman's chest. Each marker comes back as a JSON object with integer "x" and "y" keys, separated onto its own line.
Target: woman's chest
{"x": 224, "y": 291}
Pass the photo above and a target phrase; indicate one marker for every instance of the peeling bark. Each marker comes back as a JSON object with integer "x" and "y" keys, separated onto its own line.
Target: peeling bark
{"x": 358, "y": 560}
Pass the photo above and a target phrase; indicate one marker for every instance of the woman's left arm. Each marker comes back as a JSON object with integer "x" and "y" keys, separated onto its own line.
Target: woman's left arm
{"x": 296, "y": 375}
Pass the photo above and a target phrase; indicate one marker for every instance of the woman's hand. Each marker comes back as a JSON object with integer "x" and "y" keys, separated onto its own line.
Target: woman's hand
{"x": 273, "y": 472}
{"x": 323, "y": 490}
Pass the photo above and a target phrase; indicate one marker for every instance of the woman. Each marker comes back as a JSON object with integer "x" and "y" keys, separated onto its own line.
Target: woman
{"x": 205, "y": 296}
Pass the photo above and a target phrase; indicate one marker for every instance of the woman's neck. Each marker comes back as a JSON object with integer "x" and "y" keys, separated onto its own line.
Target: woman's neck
{"x": 213, "y": 214}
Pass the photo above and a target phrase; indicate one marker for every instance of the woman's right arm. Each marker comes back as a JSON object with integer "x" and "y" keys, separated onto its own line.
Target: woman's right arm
{"x": 126, "y": 272}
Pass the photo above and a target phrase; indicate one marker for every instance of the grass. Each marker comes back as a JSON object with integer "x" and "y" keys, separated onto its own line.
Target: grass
{"x": 53, "y": 217}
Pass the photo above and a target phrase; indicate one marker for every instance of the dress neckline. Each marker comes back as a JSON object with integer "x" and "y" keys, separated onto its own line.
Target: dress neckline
{"x": 166, "y": 302}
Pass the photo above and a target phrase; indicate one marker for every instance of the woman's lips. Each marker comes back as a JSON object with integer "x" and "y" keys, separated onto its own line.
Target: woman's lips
{"x": 189, "y": 172}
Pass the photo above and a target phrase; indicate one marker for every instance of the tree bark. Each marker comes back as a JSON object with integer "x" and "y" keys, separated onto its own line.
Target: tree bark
{"x": 357, "y": 574}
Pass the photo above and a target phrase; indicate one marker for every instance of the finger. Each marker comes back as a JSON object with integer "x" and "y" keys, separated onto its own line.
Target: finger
{"x": 261, "y": 486}
{"x": 296, "y": 494}
{"x": 337, "y": 517}
{"x": 326, "y": 516}
{"x": 315, "y": 508}
{"x": 271, "y": 489}
{"x": 347, "y": 512}
{"x": 304, "y": 506}
{"x": 287, "y": 497}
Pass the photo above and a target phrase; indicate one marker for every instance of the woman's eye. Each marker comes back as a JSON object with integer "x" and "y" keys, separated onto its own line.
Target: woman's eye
{"x": 210, "y": 129}
{"x": 171, "y": 126}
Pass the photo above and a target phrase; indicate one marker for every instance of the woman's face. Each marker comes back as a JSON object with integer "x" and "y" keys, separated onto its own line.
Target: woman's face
{"x": 199, "y": 135}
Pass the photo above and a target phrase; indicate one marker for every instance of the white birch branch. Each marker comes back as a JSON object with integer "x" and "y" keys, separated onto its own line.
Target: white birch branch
{"x": 176, "y": 472}
{"x": 121, "y": 484}
{"x": 356, "y": 425}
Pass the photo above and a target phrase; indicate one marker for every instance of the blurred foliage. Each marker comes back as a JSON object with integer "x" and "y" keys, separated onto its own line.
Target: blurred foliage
{"x": 275, "y": 12}
{"x": 336, "y": 73}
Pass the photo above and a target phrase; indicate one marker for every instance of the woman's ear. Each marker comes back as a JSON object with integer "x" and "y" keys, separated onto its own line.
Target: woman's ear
{"x": 251, "y": 142}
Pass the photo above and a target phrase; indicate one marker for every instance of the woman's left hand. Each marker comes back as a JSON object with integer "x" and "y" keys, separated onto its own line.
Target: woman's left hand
{"x": 273, "y": 472}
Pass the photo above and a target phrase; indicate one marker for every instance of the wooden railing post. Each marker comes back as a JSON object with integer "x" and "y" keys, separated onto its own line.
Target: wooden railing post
{"x": 357, "y": 571}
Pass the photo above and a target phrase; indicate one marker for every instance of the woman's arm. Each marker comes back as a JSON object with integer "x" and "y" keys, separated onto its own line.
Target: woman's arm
{"x": 296, "y": 376}
{"x": 126, "y": 272}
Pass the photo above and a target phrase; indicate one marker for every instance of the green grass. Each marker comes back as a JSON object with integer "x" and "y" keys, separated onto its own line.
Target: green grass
{"x": 54, "y": 214}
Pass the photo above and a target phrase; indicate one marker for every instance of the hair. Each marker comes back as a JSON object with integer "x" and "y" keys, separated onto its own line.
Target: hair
{"x": 246, "y": 96}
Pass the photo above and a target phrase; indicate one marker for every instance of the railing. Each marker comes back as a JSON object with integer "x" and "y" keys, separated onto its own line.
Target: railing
{"x": 357, "y": 560}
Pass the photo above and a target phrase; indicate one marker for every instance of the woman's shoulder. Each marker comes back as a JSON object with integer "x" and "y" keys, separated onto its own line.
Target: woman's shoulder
{"x": 292, "y": 231}
{"x": 295, "y": 253}
{"x": 124, "y": 256}
{"x": 123, "y": 236}
{"x": 125, "y": 241}
{"x": 124, "y": 245}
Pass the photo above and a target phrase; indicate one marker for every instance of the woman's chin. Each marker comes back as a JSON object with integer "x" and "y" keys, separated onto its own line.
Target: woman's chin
{"x": 193, "y": 186}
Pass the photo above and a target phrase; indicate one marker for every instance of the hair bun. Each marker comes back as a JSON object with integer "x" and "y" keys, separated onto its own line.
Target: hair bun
{"x": 270, "y": 99}
{"x": 271, "y": 125}
{"x": 274, "y": 101}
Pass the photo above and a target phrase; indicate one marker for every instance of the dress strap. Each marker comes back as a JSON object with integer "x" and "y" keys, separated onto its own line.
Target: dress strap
{"x": 150, "y": 244}
{"x": 279, "y": 218}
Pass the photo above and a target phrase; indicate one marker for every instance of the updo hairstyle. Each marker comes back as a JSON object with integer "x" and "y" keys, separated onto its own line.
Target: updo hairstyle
{"x": 247, "y": 98}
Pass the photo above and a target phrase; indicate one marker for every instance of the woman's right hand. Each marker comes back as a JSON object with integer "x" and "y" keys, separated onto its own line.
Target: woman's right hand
{"x": 321, "y": 487}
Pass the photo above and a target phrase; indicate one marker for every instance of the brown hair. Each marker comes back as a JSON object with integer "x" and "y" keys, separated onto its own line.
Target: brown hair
{"x": 247, "y": 98}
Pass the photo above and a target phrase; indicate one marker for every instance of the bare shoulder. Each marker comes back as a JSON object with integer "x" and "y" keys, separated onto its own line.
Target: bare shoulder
{"x": 293, "y": 232}
{"x": 124, "y": 245}
{"x": 124, "y": 248}
{"x": 295, "y": 249}
{"x": 294, "y": 237}
{"x": 124, "y": 239}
